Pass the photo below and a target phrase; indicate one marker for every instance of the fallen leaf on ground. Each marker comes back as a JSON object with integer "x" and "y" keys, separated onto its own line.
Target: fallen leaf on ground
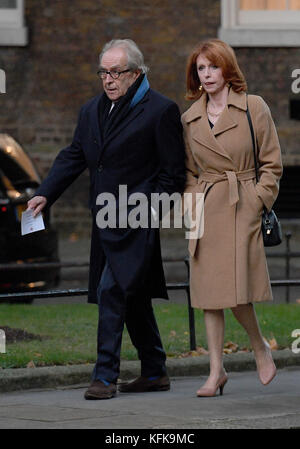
{"x": 232, "y": 347}
{"x": 30, "y": 364}
{"x": 196, "y": 353}
{"x": 189, "y": 354}
{"x": 273, "y": 344}
{"x": 227, "y": 351}
{"x": 201, "y": 350}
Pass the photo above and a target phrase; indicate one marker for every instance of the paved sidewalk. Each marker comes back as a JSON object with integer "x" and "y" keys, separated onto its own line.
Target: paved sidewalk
{"x": 246, "y": 404}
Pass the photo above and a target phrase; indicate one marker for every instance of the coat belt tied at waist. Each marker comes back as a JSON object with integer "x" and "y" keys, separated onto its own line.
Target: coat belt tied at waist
{"x": 232, "y": 178}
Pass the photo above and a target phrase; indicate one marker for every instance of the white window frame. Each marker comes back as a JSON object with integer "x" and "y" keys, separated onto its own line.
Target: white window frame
{"x": 253, "y": 28}
{"x": 12, "y": 29}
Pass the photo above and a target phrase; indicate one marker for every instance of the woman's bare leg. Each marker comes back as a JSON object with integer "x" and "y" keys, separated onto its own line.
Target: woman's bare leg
{"x": 215, "y": 326}
{"x": 246, "y": 316}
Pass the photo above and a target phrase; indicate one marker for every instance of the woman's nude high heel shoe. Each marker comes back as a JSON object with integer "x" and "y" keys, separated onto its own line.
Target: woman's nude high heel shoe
{"x": 206, "y": 392}
{"x": 267, "y": 377}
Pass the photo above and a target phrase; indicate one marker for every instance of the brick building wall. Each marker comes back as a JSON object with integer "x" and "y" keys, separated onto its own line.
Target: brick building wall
{"x": 48, "y": 80}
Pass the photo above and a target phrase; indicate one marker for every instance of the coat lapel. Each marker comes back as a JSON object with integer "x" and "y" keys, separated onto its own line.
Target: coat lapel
{"x": 224, "y": 123}
{"x": 95, "y": 121}
{"x": 200, "y": 128}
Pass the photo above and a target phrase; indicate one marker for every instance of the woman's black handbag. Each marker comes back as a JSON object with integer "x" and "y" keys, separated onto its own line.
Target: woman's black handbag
{"x": 270, "y": 226}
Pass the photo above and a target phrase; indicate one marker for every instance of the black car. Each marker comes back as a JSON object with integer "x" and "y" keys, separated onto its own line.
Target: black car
{"x": 18, "y": 182}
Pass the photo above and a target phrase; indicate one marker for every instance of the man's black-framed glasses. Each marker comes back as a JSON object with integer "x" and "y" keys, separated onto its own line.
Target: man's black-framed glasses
{"x": 113, "y": 73}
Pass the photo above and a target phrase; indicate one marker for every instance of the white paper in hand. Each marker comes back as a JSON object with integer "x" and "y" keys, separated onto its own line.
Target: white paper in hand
{"x": 29, "y": 223}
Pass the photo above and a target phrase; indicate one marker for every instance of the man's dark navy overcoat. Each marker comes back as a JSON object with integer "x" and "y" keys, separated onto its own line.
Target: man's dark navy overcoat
{"x": 144, "y": 152}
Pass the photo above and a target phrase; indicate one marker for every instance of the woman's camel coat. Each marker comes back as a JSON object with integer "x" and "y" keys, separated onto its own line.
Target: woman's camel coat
{"x": 228, "y": 264}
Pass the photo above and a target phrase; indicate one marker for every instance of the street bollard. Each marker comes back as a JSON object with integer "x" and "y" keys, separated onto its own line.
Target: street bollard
{"x": 2, "y": 342}
{"x": 2, "y": 82}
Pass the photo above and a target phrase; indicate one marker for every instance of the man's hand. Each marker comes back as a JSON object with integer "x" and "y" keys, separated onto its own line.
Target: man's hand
{"x": 37, "y": 203}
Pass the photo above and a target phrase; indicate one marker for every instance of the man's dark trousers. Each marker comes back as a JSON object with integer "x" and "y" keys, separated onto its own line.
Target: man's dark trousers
{"x": 137, "y": 313}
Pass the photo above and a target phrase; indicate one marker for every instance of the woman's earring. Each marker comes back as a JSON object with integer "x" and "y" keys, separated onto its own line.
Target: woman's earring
{"x": 200, "y": 87}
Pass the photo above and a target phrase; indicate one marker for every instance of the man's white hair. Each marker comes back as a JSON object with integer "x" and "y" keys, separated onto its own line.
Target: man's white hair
{"x": 134, "y": 54}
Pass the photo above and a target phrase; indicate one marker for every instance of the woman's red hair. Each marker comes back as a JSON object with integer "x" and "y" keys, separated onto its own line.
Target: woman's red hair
{"x": 223, "y": 56}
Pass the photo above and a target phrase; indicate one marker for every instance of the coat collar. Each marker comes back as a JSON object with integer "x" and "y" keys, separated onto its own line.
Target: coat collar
{"x": 140, "y": 93}
{"x": 134, "y": 112}
{"x": 198, "y": 109}
{"x": 204, "y": 134}
{"x": 239, "y": 100}
{"x": 136, "y": 108}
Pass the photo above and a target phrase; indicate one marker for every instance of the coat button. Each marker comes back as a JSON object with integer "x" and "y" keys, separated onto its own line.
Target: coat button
{"x": 100, "y": 168}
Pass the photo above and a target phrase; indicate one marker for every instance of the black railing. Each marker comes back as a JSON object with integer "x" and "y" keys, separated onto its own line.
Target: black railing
{"x": 288, "y": 255}
{"x": 30, "y": 296}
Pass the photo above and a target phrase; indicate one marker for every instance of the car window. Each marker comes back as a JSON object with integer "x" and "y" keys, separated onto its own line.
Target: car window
{"x": 14, "y": 172}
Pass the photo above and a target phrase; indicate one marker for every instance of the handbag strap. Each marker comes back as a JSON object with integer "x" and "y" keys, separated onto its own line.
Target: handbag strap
{"x": 253, "y": 141}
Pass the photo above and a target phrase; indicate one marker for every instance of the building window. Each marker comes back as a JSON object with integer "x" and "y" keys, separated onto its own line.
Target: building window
{"x": 265, "y": 23}
{"x": 12, "y": 29}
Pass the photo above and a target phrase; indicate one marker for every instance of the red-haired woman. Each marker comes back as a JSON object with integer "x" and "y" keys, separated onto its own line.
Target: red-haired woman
{"x": 228, "y": 263}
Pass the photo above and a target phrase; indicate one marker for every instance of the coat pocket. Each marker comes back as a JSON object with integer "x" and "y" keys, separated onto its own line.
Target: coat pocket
{"x": 255, "y": 200}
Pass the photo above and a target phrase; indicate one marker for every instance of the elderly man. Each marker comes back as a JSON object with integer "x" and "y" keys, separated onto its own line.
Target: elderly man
{"x": 130, "y": 135}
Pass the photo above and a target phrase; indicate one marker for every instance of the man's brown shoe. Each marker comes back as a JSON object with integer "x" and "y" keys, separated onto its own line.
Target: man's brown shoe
{"x": 142, "y": 384}
{"x": 98, "y": 390}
